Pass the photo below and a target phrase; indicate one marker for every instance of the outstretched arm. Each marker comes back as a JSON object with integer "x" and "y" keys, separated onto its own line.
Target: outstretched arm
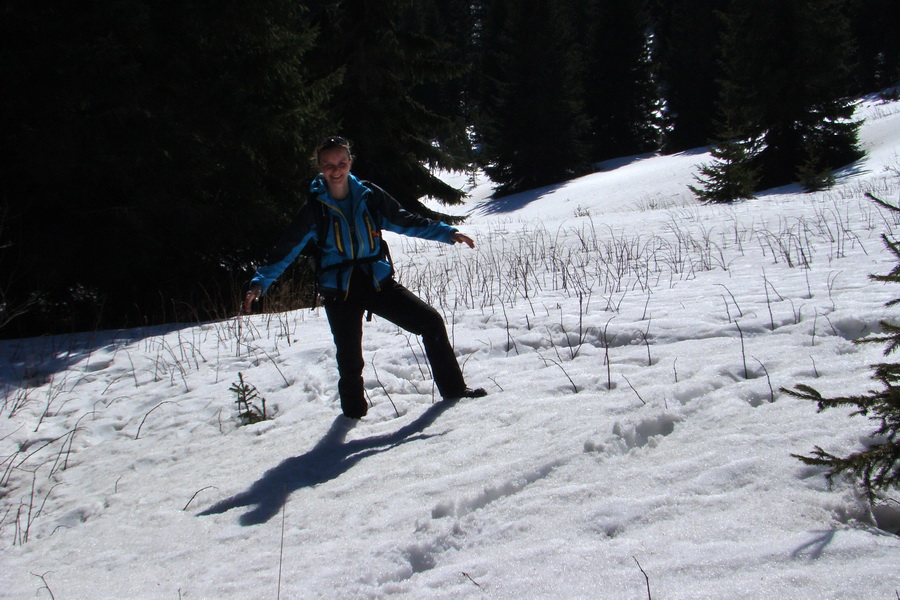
{"x": 399, "y": 220}
{"x": 298, "y": 234}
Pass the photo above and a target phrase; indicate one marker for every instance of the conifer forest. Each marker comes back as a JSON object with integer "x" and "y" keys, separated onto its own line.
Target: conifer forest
{"x": 153, "y": 151}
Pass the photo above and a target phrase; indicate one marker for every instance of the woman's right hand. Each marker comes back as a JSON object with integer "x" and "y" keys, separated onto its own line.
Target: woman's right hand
{"x": 251, "y": 296}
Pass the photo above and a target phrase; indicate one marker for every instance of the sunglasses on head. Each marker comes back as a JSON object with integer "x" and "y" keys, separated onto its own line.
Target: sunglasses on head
{"x": 333, "y": 142}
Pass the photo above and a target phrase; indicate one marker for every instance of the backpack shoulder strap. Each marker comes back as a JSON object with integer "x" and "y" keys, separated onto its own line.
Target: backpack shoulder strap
{"x": 321, "y": 221}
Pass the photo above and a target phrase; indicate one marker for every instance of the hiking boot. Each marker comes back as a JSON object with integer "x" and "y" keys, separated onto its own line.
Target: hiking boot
{"x": 356, "y": 412}
{"x": 468, "y": 393}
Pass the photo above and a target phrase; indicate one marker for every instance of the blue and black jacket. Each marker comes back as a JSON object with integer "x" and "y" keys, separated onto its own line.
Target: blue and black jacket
{"x": 348, "y": 236}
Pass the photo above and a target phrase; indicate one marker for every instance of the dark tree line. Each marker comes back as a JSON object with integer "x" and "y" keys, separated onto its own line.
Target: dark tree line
{"x": 152, "y": 150}
{"x": 784, "y": 105}
{"x": 138, "y": 138}
{"x": 769, "y": 83}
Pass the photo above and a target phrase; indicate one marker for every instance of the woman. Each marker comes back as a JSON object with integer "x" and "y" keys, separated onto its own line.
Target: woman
{"x": 344, "y": 218}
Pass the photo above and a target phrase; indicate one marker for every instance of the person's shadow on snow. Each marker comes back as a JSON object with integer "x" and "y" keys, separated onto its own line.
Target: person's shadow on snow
{"x": 331, "y": 457}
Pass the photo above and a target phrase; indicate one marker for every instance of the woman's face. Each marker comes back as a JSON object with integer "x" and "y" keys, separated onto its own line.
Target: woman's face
{"x": 335, "y": 166}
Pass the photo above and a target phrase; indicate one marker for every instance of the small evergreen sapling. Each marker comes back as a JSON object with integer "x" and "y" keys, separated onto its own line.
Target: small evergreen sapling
{"x": 877, "y": 467}
{"x": 247, "y": 395}
{"x": 735, "y": 172}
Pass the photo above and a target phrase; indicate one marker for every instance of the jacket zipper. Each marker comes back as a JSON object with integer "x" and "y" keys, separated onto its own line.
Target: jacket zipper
{"x": 338, "y": 241}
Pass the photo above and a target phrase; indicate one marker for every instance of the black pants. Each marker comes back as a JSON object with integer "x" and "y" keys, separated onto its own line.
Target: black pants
{"x": 401, "y": 307}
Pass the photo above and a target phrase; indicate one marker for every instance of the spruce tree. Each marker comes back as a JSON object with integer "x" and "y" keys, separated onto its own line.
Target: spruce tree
{"x": 617, "y": 70}
{"x": 732, "y": 175}
{"x": 735, "y": 172}
{"x": 877, "y": 466}
{"x": 385, "y": 59}
{"x": 533, "y": 128}
{"x": 876, "y": 34}
{"x": 452, "y": 25}
{"x": 688, "y": 34}
{"x": 787, "y": 68}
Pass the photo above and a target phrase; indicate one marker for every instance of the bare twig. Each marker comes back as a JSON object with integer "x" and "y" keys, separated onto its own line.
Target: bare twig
{"x": 646, "y": 578}
{"x": 562, "y": 368}
{"x": 46, "y": 585}
{"x": 386, "y": 393}
{"x": 606, "y": 342}
{"x": 277, "y": 368}
{"x": 196, "y": 494}
{"x": 768, "y": 379}
{"x": 634, "y": 390}
{"x": 736, "y": 305}
{"x": 743, "y": 350}
{"x": 766, "y": 285}
{"x": 646, "y": 336}
{"x": 138, "y": 434}
{"x": 815, "y": 321}
{"x": 469, "y": 577}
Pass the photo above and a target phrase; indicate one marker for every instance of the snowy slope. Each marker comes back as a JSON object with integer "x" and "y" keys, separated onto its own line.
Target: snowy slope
{"x": 633, "y": 343}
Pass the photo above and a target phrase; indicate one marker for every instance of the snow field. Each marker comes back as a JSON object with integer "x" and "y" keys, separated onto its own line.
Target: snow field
{"x": 634, "y": 345}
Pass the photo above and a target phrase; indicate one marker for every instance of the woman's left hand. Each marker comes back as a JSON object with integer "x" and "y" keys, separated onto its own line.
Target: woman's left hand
{"x": 460, "y": 238}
